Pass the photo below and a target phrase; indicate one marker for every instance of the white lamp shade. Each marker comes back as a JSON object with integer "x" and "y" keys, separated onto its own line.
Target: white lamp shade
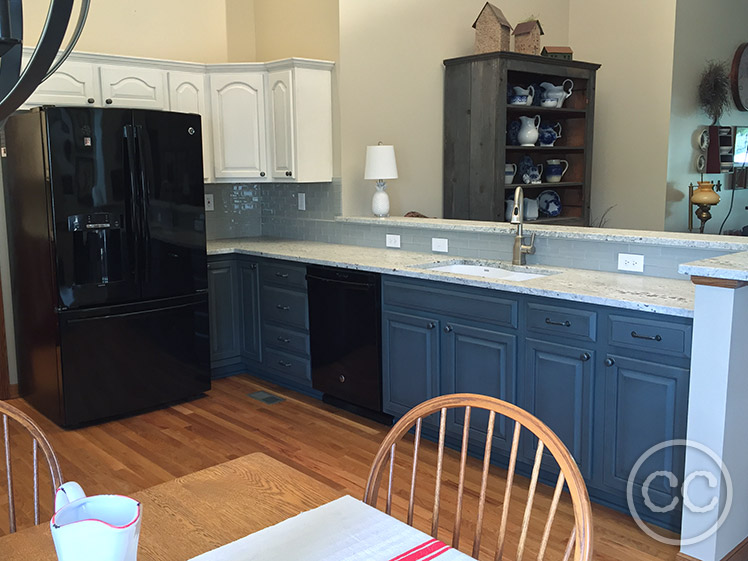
{"x": 380, "y": 162}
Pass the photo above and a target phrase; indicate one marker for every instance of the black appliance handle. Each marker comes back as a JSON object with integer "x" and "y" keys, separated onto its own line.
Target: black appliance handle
{"x": 130, "y": 314}
{"x": 131, "y": 161}
{"x": 347, "y": 284}
{"x": 146, "y": 179}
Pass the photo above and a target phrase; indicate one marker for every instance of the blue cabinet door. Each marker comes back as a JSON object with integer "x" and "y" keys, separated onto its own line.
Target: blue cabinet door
{"x": 223, "y": 303}
{"x": 558, "y": 388}
{"x": 249, "y": 296}
{"x": 410, "y": 365}
{"x": 482, "y": 361}
{"x": 645, "y": 404}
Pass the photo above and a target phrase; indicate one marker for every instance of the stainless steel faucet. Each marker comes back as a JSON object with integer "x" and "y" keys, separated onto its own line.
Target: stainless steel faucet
{"x": 520, "y": 250}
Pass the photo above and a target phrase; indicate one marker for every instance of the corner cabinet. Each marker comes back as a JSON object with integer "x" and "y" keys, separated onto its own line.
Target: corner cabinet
{"x": 477, "y": 147}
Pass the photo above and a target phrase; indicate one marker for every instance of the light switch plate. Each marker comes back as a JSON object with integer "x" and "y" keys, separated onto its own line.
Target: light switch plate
{"x": 440, "y": 244}
{"x": 302, "y": 201}
{"x": 209, "y": 202}
{"x": 392, "y": 240}
{"x": 631, "y": 262}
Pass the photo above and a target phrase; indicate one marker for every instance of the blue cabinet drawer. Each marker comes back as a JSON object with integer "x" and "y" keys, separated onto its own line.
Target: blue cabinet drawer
{"x": 288, "y": 365}
{"x": 477, "y": 305}
{"x": 284, "y": 306}
{"x": 286, "y": 339}
{"x": 562, "y": 321}
{"x": 284, "y": 274}
{"x": 667, "y": 337}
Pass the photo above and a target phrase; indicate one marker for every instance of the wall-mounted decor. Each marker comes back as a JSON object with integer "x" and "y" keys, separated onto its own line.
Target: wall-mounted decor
{"x": 714, "y": 90}
{"x": 739, "y": 77}
{"x": 492, "y": 30}
{"x": 527, "y": 37}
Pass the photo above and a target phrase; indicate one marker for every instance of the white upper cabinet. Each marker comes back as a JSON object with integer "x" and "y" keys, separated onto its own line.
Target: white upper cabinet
{"x": 239, "y": 135}
{"x": 300, "y": 120}
{"x": 188, "y": 94}
{"x": 74, "y": 83}
{"x": 133, "y": 87}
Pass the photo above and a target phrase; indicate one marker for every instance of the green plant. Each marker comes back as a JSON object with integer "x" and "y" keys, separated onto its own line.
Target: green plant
{"x": 714, "y": 90}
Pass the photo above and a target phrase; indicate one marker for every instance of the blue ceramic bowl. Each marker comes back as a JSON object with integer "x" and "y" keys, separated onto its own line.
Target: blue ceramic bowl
{"x": 517, "y": 100}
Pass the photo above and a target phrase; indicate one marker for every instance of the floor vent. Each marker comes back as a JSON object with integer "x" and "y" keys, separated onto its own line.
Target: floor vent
{"x": 266, "y": 397}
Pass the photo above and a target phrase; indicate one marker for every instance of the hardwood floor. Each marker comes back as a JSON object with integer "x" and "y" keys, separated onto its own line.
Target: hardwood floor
{"x": 336, "y": 447}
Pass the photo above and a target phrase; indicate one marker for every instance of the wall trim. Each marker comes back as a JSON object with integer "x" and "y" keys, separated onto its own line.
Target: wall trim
{"x": 738, "y": 553}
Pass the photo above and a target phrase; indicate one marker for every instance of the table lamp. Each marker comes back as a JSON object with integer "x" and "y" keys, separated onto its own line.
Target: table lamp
{"x": 380, "y": 165}
{"x": 703, "y": 197}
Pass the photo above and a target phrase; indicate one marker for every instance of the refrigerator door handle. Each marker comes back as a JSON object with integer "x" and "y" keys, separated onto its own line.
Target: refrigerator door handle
{"x": 131, "y": 156}
{"x": 146, "y": 174}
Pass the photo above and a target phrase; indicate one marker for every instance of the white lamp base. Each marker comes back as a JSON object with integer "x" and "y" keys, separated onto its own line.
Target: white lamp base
{"x": 380, "y": 202}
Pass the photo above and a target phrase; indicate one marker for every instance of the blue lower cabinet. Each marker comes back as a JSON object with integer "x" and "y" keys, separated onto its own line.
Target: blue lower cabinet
{"x": 223, "y": 299}
{"x": 249, "y": 296}
{"x": 557, "y": 387}
{"x": 410, "y": 365}
{"x": 482, "y": 361}
{"x": 645, "y": 404}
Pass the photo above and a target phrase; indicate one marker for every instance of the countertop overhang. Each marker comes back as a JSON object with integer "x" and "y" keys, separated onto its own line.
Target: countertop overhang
{"x": 634, "y": 292}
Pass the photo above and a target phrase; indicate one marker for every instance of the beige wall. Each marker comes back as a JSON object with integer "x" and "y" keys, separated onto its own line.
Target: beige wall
{"x": 693, "y": 48}
{"x": 192, "y": 30}
{"x": 296, "y": 28}
{"x": 633, "y": 40}
{"x": 391, "y": 87}
{"x": 240, "y": 31}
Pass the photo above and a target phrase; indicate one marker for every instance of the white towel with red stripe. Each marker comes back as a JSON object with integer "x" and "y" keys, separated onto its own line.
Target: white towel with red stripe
{"x": 343, "y": 530}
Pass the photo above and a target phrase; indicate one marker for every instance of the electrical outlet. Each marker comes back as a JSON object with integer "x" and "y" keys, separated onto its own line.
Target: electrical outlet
{"x": 392, "y": 240}
{"x": 209, "y": 202}
{"x": 631, "y": 262}
{"x": 440, "y": 244}
{"x": 302, "y": 201}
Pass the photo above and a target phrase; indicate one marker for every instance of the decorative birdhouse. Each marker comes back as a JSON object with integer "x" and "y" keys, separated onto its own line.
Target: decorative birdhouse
{"x": 559, "y": 53}
{"x": 492, "y": 30}
{"x": 527, "y": 37}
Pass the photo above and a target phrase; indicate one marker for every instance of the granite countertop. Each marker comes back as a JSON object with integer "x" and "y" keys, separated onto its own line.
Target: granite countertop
{"x": 634, "y": 292}
{"x": 730, "y": 267}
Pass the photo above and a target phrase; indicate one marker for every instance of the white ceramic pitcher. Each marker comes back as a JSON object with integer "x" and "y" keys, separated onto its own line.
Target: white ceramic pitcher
{"x": 98, "y": 528}
{"x": 528, "y": 131}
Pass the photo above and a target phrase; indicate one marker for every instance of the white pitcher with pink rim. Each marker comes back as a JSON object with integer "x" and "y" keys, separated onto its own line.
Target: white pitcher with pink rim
{"x": 98, "y": 528}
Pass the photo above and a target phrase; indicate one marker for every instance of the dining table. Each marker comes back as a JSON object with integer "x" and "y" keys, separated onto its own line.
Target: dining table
{"x": 255, "y": 508}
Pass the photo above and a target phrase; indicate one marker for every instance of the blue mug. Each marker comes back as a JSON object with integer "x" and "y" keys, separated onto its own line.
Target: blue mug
{"x": 555, "y": 170}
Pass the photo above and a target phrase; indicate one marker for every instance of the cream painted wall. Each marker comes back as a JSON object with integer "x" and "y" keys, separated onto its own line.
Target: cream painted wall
{"x": 296, "y": 28}
{"x": 693, "y": 48}
{"x": 633, "y": 41}
{"x": 240, "y": 31}
{"x": 191, "y": 30}
{"x": 391, "y": 87}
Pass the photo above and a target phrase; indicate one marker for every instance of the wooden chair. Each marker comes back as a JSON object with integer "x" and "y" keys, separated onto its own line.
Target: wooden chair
{"x": 39, "y": 440}
{"x": 580, "y": 540}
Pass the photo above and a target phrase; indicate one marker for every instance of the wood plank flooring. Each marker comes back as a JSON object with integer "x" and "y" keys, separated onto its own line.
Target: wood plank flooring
{"x": 127, "y": 455}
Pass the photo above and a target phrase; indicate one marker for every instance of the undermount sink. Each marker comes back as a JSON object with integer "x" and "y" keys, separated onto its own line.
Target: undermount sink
{"x": 486, "y": 271}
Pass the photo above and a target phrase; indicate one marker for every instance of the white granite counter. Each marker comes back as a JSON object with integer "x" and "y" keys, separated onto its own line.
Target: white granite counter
{"x": 634, "y": 292}
{"x": 731, "y": 267}
{"x": 672, "y": 239}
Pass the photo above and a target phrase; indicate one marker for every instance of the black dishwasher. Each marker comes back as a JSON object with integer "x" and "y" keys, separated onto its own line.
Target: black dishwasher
{"x": 345, "y": 335}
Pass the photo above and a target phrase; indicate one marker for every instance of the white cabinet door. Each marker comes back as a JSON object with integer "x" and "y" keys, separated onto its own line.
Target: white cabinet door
{"x": 188, "y": 94}
{"x": 133, "y": 87}
{"x": 282, "y": 125}
{"x": 238, "y": 107}
{"x": 74, "y": 83}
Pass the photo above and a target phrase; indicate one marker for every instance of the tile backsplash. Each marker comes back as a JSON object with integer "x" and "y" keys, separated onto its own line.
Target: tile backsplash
{"x": 237, "y": 211}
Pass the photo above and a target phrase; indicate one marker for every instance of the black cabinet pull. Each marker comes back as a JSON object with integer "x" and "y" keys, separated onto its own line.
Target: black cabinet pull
{"x": 91, "y": 100}
{"x": 431, "y": 325}
{"x": 635, "y": 335}
{"x": 262, "y": 174}
{"x": 341, "y": 378}
{"x": 609, "y": 362}
{"x": 253, "y": 266}
{"x": 108, "y": 101}
{"x": 281, "y": 275}
{"x": 288, "y": 174}
{"x": 585, "y": 357}
{"x": 283, "y": 339}
{"x": 566, "y": 323}
{"x": 284, "y": 364}
{"x": 283, "y": 307}
{"x": 447, "y": 329}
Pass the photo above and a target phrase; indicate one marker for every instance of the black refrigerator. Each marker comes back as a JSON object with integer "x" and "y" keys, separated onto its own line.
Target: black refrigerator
{"x": 106, "y": 232}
